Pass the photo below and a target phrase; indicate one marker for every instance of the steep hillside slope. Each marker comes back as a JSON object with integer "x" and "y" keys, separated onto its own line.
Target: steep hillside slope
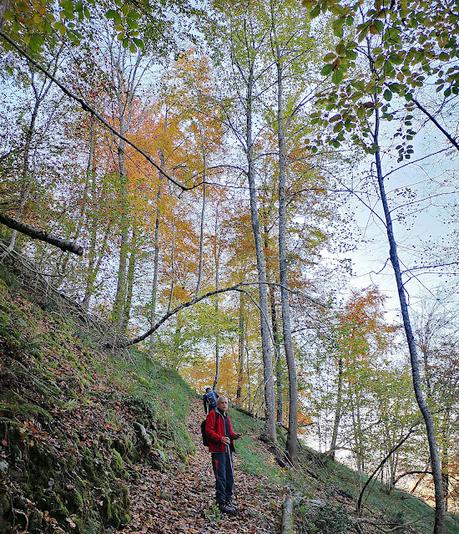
{"x": 95, "y": 441}
{"x": 72, "y": 418}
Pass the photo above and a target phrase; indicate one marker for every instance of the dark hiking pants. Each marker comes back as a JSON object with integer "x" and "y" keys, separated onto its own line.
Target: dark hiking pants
{"x": 223, "y": 471}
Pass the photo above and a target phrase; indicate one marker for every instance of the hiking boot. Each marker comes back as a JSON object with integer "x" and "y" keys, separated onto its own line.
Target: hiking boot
{"x": 231, "y": 504}
{"x": 225, "y": 509}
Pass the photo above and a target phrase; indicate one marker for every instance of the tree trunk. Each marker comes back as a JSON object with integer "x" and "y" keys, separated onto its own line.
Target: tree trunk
{"x": 270, "y": 424}
{"x": 439, "y": 527}
{"x": 94, "y": 263}
{"x": 39, "y": 95}
{"x": 90, "y": 171}
{"x": 130, "y": 281}
{"x": 249, "y": 378}
{"x": 241, "y": 349}
{"x": 339, "y": 402}
{"x": 217, "y": 287}
{"x": 445, "y": 457}
{"x": 25, "y": 176}
{"x": 278, "y": 359}
{"x": 277, "y": 343}
{"x": 201, "y": 231}
{"x": 171, "y": 291}
{"x": 120, "y": 297}
{"x": 292, "y": 437}
{"x": 154, "y": 286}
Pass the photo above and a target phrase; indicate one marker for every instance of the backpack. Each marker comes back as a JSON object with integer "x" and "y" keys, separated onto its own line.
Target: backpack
{"x": 212, "y": 399}
{"x": 205, "y": 437}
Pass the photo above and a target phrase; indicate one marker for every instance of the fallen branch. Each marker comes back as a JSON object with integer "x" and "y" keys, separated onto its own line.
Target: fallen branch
{"x": 288, "y": 523}
{"x": 412, "y": 473}
{"x": 41, "y": 235}
{"x": 236, "y": 287}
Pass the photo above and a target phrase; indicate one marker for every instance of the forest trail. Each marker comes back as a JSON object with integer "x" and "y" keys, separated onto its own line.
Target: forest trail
{"x": 183, "y": 501}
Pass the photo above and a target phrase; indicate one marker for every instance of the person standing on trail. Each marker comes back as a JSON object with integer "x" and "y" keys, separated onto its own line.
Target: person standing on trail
{"x": 209, "y": 400}
{"x": 220, "y": 437}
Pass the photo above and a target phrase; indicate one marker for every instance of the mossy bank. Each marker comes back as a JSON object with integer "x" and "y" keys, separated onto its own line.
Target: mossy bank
{"x": 74, "y": 419}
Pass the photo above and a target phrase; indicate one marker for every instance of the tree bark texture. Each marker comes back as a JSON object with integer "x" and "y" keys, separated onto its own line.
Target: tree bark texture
{"x": 339, "y": 407}
{"x": 130, "y": 280}
{"x": 154, "y": 285}
{"x": 241, "y": 350}
{"x": 120, "y": 297}
{"x": 217, "y": 287}
{"x": 201, "y": 231}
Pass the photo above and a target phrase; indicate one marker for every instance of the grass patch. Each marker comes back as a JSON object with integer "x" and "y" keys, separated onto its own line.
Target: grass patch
{"x": 252, "y": 460}
{"x": 161, "y": 390}
{"x": 398, "y": 506}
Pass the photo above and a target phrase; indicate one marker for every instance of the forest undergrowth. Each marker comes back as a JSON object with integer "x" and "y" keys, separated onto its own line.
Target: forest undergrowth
{"x": 97, "y": 441}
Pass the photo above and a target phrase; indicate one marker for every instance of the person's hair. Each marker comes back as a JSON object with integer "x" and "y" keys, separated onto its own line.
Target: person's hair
{"x": 208, "y": 389}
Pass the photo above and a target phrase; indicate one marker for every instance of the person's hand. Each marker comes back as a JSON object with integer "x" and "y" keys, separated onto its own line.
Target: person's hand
{"x": 236, "y": 436}
{"x": 226, "y": 440}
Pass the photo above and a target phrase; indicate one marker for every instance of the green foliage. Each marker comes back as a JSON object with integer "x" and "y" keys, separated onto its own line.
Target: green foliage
{"x": 135, "y": 23}
{"x": 382, "y": 52}
{"x": 213, "y": 514}
{"x": 181, "y": 344}
{"x": 327, "y": 519}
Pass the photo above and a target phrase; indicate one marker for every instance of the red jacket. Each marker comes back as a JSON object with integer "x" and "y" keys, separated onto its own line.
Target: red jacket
{"x": 215, "y": 430}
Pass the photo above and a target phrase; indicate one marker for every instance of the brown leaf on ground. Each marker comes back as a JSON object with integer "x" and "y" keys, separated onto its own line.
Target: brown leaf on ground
{"x": 183, "y": 501}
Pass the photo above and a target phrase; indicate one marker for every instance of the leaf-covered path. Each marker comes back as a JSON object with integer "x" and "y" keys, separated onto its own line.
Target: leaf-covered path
{"x": 183, "y": 502}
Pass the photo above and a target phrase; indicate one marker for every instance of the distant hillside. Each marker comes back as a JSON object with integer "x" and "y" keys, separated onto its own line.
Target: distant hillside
{"x": 76, "y": 420}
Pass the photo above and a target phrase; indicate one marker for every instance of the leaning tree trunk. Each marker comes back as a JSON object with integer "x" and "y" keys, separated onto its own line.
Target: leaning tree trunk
{"x": 26, "y": 182}
{"x": 292, "y": 437}
{"x": 25, "y": 171}
{"x": 439, "y": 526}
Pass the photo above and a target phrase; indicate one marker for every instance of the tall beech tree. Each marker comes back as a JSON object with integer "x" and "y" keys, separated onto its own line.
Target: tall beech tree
{"x": 246, "y": 38}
